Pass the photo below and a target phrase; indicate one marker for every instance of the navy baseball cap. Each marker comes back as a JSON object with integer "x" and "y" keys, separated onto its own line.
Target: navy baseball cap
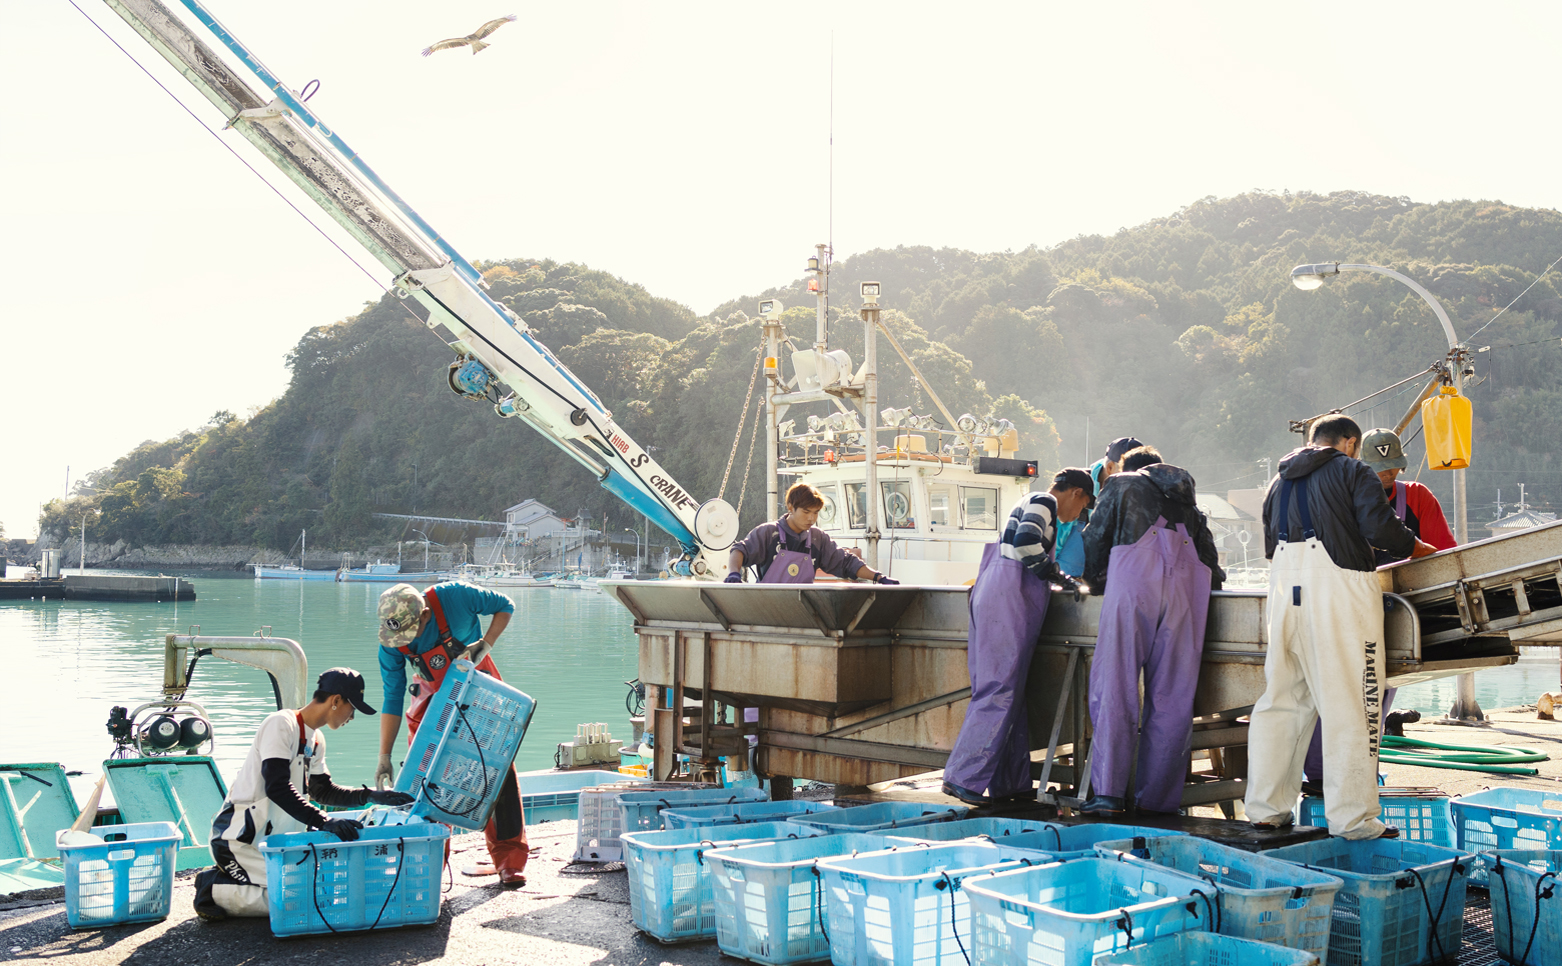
{"x": 1117, "y": 447}
{"x": 1073, "y": 476}
{"x": 348, "y": 683}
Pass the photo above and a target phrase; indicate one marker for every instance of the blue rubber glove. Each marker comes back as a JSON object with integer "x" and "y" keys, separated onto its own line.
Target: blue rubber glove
{"x": 736, "y": 577}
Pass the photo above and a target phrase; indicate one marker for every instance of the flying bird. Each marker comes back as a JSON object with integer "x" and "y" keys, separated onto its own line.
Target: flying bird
{"x": 473, "y": 39}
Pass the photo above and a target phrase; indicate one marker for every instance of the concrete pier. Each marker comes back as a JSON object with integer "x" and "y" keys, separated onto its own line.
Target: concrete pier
{"x": 100, "y": 587}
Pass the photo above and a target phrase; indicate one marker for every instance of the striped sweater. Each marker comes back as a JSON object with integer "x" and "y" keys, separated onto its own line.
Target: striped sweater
{"x": 1030, "y": 534}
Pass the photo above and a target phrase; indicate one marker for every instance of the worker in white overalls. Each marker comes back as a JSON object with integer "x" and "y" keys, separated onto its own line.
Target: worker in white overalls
{"x": 288, "y": 750}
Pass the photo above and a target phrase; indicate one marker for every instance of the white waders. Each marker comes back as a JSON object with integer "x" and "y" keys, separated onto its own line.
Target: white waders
{"x": 1325, "y": 658}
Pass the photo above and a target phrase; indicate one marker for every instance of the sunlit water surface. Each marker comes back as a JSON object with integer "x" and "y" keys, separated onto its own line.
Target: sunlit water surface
{"x": 68, "y": 662}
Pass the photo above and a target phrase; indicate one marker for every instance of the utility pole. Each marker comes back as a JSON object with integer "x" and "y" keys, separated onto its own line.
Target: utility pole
{"x": 870, "y": 406}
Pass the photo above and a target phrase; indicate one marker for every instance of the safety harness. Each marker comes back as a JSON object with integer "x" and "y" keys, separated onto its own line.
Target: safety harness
{"x": 432, "y": 664}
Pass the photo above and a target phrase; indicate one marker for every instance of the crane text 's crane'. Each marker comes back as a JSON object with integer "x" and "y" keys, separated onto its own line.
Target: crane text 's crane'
{"x": 497, "y": 358}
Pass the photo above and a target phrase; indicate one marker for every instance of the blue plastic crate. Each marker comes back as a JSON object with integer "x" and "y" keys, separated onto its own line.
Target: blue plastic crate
{"x": 549, "y": 796}
{"x": 883, "y": 815}
{"x": 906, "y": 905}
{"x": 470, "y": 733}
{"x": 1079, "y": 841}
{"x": 1419, "y": 818}
{"x": 642, "y": 811}
{"x": 1507, "y": 818}
{"x": 738, "y": 813}
{"x": 390, "y": 876}
{"x": 1380, "y": 914}
{"x": 128, "y": 878}
{"x": 1068, "y": 913}
{"x": 997, "y": 830}
{"x": 601, "y": 818}
{"x": 1208, "y": 949}
{"x": 1256, "y": 897}
{"x": 670, "y": 888}
{"x": 770, "y": 899}
{"x": 1526, "y": 921}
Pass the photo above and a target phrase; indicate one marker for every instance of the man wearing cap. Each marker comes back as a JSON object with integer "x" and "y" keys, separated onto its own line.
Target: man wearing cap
{"x": 431, "y": 631}
{"x": 1008, "y": 603}
{"x": 288, "y": 750}
{"x": 1323, "y": 516}
{"x": 1419, "y": 511}
{"x": 1103, "y": 469}
{"x": 1149, "y": 552}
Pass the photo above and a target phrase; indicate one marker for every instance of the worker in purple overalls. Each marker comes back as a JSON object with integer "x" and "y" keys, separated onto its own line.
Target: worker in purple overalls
{"x": 790, "y": 550}
{"x": 1149, "y": 552}
{"x": 1008, "y": 604}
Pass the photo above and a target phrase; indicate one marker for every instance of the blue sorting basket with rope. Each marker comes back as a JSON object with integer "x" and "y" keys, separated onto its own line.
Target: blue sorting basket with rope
{"x": 389, "y": 876}
{"x": 1255, "y": 897}
{"x": 770, "y": 904}
{"x": 642, "y": 811}
{"x": 906, "y": 905}
{"x": 128, "y": 876}
{"x": 738, "y": 813}
{"x": 996, "y": 830}
{"x": 1069, "y": 913}
{"x": 1419, "y": 818}
{"x": 1507, "y": 818}
{"x": 883, "y": 815}
{"x": 1526, "y": 904}
{"x": 458, "y": 760}
{"x": 1207, "y": 949}
{"x": 1402, "y": 903}
{"x": 1079, "y": 841}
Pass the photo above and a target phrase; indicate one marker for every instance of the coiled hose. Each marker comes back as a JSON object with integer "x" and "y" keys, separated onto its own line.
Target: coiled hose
{"x": 1496, "y": 759}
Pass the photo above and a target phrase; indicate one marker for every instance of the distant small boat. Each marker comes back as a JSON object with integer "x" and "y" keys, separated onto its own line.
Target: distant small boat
{"x": 290, "y": 571}
{"x": 617, "y": 574}
{"x": 389, "y": 573}
{"x": 503, "y": 575}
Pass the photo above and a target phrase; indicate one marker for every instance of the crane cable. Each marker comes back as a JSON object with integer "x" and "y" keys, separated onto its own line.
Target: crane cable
{"x": 737, "y": 438}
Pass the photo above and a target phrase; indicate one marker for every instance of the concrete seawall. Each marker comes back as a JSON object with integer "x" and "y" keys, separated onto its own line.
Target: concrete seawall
{"x": 103, "y": 587}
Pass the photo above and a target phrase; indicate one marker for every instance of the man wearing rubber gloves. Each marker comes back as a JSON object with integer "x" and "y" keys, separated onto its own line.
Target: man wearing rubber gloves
{"x": 431, "y": 631}
{"x": 1323, "y": 515}
{"x": 288, "y": 751}
{"x": 1419, "y": 510}
{"x": 1008, "y": 604}
{"x": 791, "y": 549}
{"x": 1149, "y": 551}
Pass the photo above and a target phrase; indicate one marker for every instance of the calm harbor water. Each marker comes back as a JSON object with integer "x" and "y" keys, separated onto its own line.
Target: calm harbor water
{"x": 68, "y": 662}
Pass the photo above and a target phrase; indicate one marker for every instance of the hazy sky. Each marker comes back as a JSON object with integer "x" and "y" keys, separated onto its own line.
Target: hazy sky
{"x": 155, "y": 280}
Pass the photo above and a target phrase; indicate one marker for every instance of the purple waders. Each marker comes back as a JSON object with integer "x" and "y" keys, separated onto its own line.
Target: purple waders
{"x": 1153, "y": 615}
{"x": 790, "y": 566}
{"x": 1008, "y": 605}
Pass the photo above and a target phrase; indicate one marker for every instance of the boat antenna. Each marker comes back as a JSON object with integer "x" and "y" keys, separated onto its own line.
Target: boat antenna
{"x": 829, "y": 255}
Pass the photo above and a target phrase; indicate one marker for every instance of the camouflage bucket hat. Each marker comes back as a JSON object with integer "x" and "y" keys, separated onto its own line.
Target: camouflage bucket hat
{"x": 1381, "y": 450}
{"x": 400, "y": 609}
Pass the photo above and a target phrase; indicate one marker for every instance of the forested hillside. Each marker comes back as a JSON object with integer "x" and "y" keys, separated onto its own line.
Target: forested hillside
{"x": 1184, "y": 331}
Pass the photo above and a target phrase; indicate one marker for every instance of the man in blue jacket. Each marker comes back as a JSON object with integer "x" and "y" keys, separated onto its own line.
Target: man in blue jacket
{"x": 431, "y": 631}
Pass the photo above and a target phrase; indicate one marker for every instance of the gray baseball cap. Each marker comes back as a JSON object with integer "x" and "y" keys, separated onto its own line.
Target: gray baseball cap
{"x": 1381, "y": 450}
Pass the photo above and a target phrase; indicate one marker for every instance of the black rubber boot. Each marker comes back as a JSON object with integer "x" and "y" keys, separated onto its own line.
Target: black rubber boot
{"x": 1103, "y": 805}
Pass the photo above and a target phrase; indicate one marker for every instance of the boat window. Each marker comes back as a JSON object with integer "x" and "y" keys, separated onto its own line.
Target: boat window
{"x": 941, "y": 503}
{"x": 857, "y": 505}
{"x": 898, "y": 508}
{"x": 829, "y": 515}
{"x": 979, "y": 508}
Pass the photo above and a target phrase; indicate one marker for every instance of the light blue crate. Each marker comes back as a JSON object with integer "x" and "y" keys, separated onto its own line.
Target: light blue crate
{"x": 1506, "y": 818}
{"x": 883, "y": 815}
{"x": 642, "y": 811}
{"x": 738, "y": 813}
{"x": 1380, "y": 914}
{"x": 770, "y": 898}
{"x": 997, "y": 830}
{"x": 906, "y": 905}
{"x": 1068, "y": 913}
{"x": 389, "y": 876}
{"x": 127, "y": 878}
{"x": 1079, "y": 841}
{"x": 1208, "y": 949}
{"x": 1526, "y": 921}
{"x": 1256, "y": 897}
{"x": 1419, "y": 818}
{"x": 550, "y": 796}
{"x": 470, "y": 733}
{"x": 670, "y": 888}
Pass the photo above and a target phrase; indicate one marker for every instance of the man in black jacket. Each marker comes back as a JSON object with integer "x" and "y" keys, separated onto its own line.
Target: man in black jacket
{"x": 1163, "y": 565}
{"x": 1324, "y": 514}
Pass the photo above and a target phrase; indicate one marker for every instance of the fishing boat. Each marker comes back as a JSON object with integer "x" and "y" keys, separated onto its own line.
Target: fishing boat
{"x": 384, "y": 573}
{"x": 506, "y": 575}
{"x": 291, "y": 571}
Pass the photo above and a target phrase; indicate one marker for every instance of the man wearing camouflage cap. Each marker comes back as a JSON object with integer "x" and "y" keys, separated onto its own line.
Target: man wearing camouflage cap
{"x": 431, "y": 631}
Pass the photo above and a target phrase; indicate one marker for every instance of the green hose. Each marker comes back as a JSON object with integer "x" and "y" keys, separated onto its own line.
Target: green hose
{"x": 1496, "y": 759}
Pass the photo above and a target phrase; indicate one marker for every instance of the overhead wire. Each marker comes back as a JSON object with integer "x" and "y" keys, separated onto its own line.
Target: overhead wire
{"x": 1515, "y": 299}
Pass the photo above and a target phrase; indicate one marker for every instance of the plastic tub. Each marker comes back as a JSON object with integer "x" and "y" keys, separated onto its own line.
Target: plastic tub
{"x": 883, "y": 815}
{"x": 389, "y": 876}
{"x": 1526, "y": 921}
{"x": 1257, "y": 898}
{"x": 601, "y": 819}
{"x": 1419, "y": 818}
{"x": 670, "y": 888}
{"x": 1380, "y": 914}
{"x": 1208, "y": 949}
{"x": 127, "y": 878}
{"x": 770, "y": 899}
{"x": 548, "y": 796}
{"x": 1079, "y": 841}
{"x": 469, "y": 736}
{"x": 642, "y": 811}
{"x": 1068, "y": 913}
{"x": 1507, "y": 818}
{"x": 738, "y": 813}
{"x": 906, "y": 905}
{"x": 997, "y": 830}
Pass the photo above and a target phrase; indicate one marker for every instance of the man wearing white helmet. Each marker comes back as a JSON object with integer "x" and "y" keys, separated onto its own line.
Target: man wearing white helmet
{"x": 431, "y": 631}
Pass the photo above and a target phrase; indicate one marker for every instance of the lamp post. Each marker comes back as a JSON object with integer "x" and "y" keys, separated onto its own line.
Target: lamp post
{"x": 425, "y": 547}
{"x": 637, "y": 548}
{"x": 1310, "y": 277}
